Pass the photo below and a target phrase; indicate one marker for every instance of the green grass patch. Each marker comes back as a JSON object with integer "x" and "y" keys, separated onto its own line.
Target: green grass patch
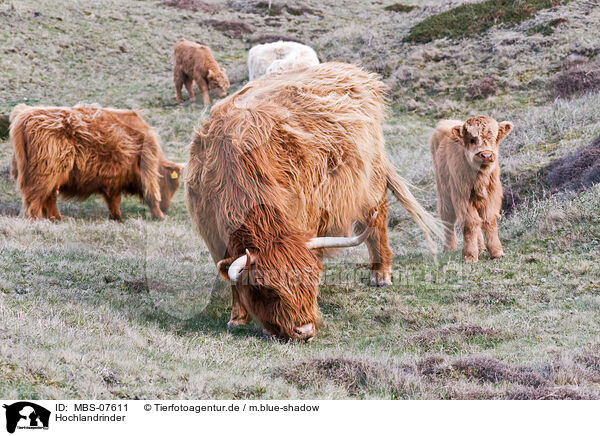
{"x": 472, "y": 19}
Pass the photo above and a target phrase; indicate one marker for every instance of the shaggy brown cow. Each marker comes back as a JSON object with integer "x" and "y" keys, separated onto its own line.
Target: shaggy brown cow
{"x": 286, "y": 159}
{"x": 467, "y": 174}
{"x": 84, "y": 150}
{"x": 196, "y": 63}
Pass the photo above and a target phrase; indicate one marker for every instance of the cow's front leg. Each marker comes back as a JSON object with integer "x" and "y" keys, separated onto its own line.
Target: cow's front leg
{"x": 203, "y": 87}
{"x": 113, "y": 201}
{"x": 494, "y": 246}
{"x": 471, "y": 232}
{"x": 379, "y": 247}
{"x": 239, "y": 314}
{"x": 157, "y": 214}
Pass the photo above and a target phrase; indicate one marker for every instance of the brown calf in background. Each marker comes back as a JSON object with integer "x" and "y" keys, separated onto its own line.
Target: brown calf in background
{"x": 196, "y": 63}
{"x": 84, "y": 150}
{"x": 467, "y": 174}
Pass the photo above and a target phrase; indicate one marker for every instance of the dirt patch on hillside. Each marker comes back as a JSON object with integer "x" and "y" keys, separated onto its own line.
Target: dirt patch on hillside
{"x": 486, "y": 369}
{"x": 483, "y": 88}
{"x": 192, "y": 5}
{"x": 576, "y": 80}
{"x": 356, "y": 376}
{"x": 399, "y": 7}
{"x": 274, "y": 8}
{"x": 462, "y": 331}
{"x": 4, "y": 126}
{"x": 233, "y": 29}
{"x": 573, "y": 173}
{"x": 471, "y": 377}
{"x": 265, "y": 38}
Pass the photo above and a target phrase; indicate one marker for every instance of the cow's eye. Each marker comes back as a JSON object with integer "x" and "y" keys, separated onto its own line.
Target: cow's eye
{"x": 473, "y": 140}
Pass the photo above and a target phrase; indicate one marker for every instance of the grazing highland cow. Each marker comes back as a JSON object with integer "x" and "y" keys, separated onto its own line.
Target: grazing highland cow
{"x": 196, "y": 63}
{"x": 280, "y": 56}
{"x": 84, "y": 150}
{"x": 286, "y": 159}
{"x": 467, "y": 174}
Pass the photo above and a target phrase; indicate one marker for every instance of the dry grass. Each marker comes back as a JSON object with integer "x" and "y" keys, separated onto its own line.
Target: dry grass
{"x": 136, "y": 310}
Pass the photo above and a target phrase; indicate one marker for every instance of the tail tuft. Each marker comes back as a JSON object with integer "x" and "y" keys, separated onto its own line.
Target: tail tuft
{"x": 431, "y": 226}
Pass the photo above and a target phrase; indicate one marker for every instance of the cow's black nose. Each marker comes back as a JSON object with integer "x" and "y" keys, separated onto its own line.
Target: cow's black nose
{"x": 485, "y": 155}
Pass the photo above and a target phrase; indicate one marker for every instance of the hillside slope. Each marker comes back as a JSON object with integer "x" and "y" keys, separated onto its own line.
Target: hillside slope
{"x": 95, "y": 309}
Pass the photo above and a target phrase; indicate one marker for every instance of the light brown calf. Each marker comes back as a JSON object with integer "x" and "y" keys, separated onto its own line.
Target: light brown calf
{"x": 196, "y": 63}
{"x": 467, "y": 174}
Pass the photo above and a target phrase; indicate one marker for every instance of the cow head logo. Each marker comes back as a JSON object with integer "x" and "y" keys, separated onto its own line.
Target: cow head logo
{"x": 26, "y": 415}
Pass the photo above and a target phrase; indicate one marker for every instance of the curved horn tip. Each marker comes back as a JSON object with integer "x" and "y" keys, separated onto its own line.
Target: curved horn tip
{"x": 373, "y": 218}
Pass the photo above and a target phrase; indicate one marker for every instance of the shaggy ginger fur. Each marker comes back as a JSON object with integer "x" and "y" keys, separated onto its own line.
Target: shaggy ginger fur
{"x": 284, "y": 159}
{"x": 467, "y": 174}
{"x": 196, "y": 63}
{"x": 280, "y": 56}
{"x": 84, "y": 150}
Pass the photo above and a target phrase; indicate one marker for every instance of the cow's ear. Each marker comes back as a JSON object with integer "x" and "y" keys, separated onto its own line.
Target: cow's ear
{"x": 223, "y": 267}
{"x": 504, "y": 129}
{"x": 210, "y": 74}
{"x": 458, "y": 132}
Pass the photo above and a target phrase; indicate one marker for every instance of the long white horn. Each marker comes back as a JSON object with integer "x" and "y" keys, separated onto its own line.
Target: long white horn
{"x": 237, "y": 266}
{"x": 341, "y": 242}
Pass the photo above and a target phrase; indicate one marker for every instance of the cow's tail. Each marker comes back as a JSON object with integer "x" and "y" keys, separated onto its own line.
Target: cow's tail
{"x": 18, "y": 123}
{"x": 430, "y": 225}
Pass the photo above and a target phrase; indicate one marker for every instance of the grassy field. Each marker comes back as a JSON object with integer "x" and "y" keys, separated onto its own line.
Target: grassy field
{"x": 96, "y": 309}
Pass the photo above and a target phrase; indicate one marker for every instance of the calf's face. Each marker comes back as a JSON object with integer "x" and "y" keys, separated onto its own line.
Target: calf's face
{"x": 169, "y": 183}
{"x": 480, "y": 137}
{"x": 218, "y": 81}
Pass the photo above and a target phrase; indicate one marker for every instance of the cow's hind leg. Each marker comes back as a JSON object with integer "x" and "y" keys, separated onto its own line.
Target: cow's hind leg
{"x": 49, "y": 207}
{"x": 34, "y": 201}
{"x": 379, "y": 247}
{"x": 178, "y": 81}
{"x": 448, "y": 216}
{"x": 34, "y": 208}
{"x": 189, "y": 85}
{"x": 481, "y": 242}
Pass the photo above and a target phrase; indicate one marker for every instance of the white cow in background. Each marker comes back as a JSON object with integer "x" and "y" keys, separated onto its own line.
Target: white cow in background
{"x": 278, "y": 57}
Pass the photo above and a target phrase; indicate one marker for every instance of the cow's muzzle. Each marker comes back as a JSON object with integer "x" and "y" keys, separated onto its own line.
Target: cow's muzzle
{"x": 486, "y": 156}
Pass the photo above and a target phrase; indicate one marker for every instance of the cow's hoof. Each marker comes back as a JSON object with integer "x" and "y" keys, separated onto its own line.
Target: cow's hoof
{"x": 305, "y": 332}
{"x": 380, "y": 279}
{"x": 233, "y": 323}
{"x": 268, "y": 336}
{"x": 497, "y": 255}
{"x": 471, "y": 259}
